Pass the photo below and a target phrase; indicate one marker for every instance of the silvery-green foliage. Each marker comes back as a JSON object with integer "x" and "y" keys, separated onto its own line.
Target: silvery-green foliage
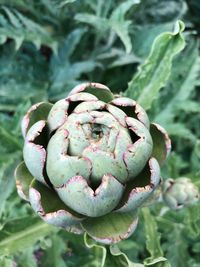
{"x": 29, "y": 75}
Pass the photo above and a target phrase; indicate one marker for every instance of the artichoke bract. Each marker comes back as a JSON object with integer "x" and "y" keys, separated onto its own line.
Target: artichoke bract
{"x": 90, "y": 161}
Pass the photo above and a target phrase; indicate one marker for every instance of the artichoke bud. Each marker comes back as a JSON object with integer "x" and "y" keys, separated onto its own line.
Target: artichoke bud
{"x": 179, "y": 193}
{"x": 90, "y": 161}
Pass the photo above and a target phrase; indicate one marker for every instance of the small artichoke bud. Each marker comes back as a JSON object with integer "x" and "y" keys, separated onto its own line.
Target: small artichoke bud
{"x": 179, "y": 193}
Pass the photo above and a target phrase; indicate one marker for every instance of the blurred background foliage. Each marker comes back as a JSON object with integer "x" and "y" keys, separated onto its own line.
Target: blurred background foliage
{"x": 49, "y": 46}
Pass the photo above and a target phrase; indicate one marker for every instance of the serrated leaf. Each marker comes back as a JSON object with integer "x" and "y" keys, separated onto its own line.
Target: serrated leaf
{"x": 188, "y": 106}
{"x": 192, "y": 221}
{"x": 22, "y": 78}
{"x": 19, "y": 234}
{"x": 15, "y": 25}
{"x": 181, "y": 84}
{"x": 53, "y": 255}
{"x": 153, "y": 74}
{"x": 68, "y": 46}
{"x": 152, "y": 235}
{"x": 120, "y": 25}
{"x": 180, "y": 130}
{"x": 116, "y": 22}
{"x": 99, "y": 23}
{"x": 153, "y": 242}
{"x": 7, "y": 177}
{"x": 64, "y": 73}
{"x": 176, "y": 246}
{"x": 11, "y": 141}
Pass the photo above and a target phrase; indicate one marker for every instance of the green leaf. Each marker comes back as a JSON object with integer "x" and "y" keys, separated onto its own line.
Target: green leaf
{"x": 100, "y": 250}
{"x": 53, "y": 255}
{"x": 64, "y": 73}
{"x": 159, "y": 11}
{"x": 152, "y": 235}
{"x": 27, "y": 258}
{"x": 12, "y": 143}
{"x": 15, "y": 25}
{"x": 7, "y": 262}
{"x": 177, "y": 246}
{"x": 116, "y": 22}
{"x": 195, "y": 158}
{"x": 97, "y": 53}
{"x": 153, "y": 74}
{"x": 153, "y": 262}
{"x": 180, "y": 130}
{"x": 109, "y": 256}
{"x": 147, "y": 32}
{"x": 153, "y": 241}
{"x": 99, "y": 23}
{"x": 181, "y": 84}
{"x": 22, "y": 78}
{"x": 192, "y": 221}
{"x": 19, "y": 234}
{"x": 120, "y": 259}
{"x": 7, "y": 177}
{"x": 65, "y": 2}
{"x": 188, "y": 106}
{"x": 120, "y": 25}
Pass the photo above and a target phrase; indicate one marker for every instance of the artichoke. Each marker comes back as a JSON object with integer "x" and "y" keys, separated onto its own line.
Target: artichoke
{"x": 179, "y": 193}
{"x": 90, "y": 161}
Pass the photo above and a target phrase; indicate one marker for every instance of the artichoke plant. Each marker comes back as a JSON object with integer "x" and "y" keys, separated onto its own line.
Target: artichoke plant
{"x": 90, "y": 161}
{"x": 179, "y": 193}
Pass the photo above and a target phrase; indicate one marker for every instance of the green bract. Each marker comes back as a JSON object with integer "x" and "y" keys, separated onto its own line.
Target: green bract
{"x": 179, "y": 192}
{"x": 90, "y": 161}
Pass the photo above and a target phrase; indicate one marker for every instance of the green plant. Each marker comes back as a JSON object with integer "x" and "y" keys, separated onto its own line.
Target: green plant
{"x": 180, "y": 192}
{"x": 90, "y": 161}
{"x": 47, "y": 48}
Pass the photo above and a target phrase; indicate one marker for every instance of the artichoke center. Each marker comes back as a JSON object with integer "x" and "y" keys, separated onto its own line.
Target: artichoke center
{"x": 96, "y": 131}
